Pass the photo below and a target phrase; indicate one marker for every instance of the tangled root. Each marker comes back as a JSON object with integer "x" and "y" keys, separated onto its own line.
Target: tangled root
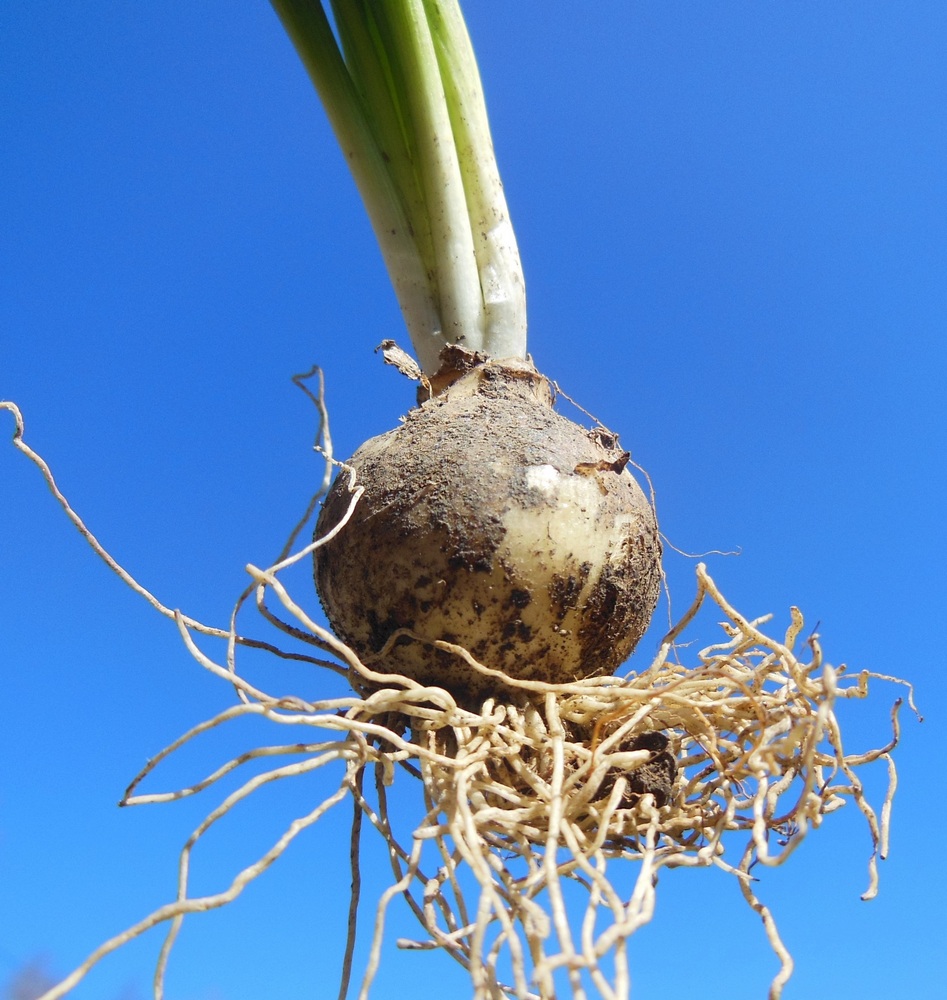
{"x": 534, "y": 804}
{"x": 726, "y": 762}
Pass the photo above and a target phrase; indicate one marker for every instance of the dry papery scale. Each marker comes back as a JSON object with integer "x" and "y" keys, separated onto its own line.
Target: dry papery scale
{"x": 549, "y": 810}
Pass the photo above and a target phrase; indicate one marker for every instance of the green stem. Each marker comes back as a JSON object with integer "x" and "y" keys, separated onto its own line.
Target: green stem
{"x": 405, "y": 101}
{"x": 497, "y": 255}
{"x": 308, "y": 27}
{"x": 460, "y": 302}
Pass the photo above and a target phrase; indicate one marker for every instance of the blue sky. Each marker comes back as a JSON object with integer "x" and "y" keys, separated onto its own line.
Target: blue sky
{"x": 732, "y": 219}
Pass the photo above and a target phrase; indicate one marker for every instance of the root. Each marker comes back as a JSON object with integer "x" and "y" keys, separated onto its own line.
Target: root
{"x": 532, "y": 803}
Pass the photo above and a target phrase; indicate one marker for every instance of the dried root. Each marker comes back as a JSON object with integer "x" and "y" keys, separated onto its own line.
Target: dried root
{"x": 533, "y": 803}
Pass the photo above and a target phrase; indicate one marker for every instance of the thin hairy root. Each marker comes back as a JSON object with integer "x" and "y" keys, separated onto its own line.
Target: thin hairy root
{"x": 356, "y": 892}
{"x": 530, "y": 804}
{"x": 181, "y": 907}
{"x": 772, "y": 934}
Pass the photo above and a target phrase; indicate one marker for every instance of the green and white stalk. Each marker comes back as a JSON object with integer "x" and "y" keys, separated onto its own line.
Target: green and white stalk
{"x": 403, "y": 94}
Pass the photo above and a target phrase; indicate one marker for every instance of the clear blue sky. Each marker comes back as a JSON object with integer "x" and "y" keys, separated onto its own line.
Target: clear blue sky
{"x": 733, "y": 220}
